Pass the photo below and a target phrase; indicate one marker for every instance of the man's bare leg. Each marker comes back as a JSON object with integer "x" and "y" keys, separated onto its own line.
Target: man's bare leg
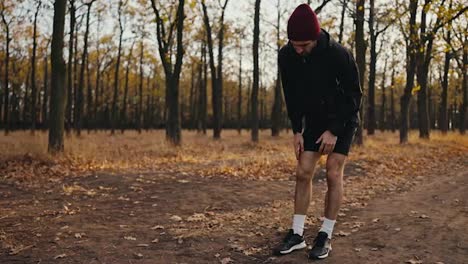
{"x": 334, "y": 196}
{"x": 304, "y": 173}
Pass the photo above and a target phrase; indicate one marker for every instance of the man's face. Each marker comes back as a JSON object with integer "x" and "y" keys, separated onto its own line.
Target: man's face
{"x": 303, "y": 47}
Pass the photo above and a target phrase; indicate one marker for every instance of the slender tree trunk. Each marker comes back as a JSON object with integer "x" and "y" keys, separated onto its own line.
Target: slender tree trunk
{"x": 116, "y": 73}
{"x": 239, "y": 95}
{"x": 70, "y": 82}
{"x": 140, "y": 93}
{"x": 123, "y": 114}
{"x": 464, "y": 107}
{"x": 443, "y": 115}
{"x": 371, "y": 122}
{"x": 344, "y": 4}
{"x": 6, "y": 106}
{"x": 255, "y": 88}
{"x": 277, "y": 103}
{"x": 84, "y": 56}
{"x": 392, "y": 103}
{"x": 410, "y": 71}
{"x": 382, "y": 122}
{"x": 45, "y": 99}
{"x": 58, "y": 91}
{"x": 33, "y": 73}
{"x": 89, "y": 99}
{"x": 203, "y": 91}
{"x": 360, "y": 58}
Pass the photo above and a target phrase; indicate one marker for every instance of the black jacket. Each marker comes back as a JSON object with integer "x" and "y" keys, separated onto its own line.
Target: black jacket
{"x": 323, "y": 86}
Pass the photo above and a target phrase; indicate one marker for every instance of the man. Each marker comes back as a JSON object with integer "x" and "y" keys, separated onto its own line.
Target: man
{"x": 320, "y": 84}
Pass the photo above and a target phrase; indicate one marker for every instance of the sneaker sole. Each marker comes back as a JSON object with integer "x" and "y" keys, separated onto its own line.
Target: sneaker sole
{"x": 295, "y": 247}
{"x": 323, "y": 256}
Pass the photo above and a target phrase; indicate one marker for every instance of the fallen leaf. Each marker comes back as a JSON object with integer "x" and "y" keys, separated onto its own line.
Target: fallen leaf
{"x": 226, "y": 260}
{"x": 129, "y": 238}
{"x": 398, "y": 229}
{"x": 375, "y": 220}
{"x": 142, "y": 245}
{"x": 414, "y": 261}
{"x": 423, "y": 216}
{"x": 176, "y": 218}
{"x": 343, "y": 234}
{"x": 196, "y": 218}
{"x": 155, "y": 240}
{"x": 183, "y": 181}
{"x": 157, "y": 227}
{"x": 138, "y": 255}
{"x": 357, "y": 249}
{"x": 60, "y": 256}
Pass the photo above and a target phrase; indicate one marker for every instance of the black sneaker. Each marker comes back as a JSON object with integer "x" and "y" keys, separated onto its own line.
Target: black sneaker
{"x": 290, "y": 243}
{"x": 322, "y": 246}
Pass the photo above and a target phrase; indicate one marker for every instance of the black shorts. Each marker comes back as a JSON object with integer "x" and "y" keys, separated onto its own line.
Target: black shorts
{"x": 343, "y": 142}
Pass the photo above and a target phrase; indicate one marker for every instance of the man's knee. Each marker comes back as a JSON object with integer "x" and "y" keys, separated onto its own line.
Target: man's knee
{"x": 335, "y": 166}
{"x": 304, "y": 173}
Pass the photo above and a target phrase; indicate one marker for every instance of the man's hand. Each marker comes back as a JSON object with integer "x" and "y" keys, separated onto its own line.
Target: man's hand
{"x": 298, "y": 144}
{"x": 328, "y": 142}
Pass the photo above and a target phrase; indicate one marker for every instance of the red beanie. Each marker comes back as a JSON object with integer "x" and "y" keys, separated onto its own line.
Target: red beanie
{"x": 303, "y": 24}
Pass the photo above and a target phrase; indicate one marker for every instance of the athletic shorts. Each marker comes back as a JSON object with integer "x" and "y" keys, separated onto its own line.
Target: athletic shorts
{"x": 343, "y": 142}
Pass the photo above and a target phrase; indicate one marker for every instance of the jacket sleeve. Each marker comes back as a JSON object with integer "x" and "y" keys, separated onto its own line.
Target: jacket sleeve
{"x": 292, "y": 103}
{"x": 348, "y": 78}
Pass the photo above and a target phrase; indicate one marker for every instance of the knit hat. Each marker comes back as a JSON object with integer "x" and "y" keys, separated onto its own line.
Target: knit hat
{"x": 303, "y": 24}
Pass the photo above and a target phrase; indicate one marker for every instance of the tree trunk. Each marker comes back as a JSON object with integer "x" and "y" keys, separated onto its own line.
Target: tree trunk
{"x": 443, "y": 115}
{"x": 6, "y": 106}
{"x": 70, "y": 82}
{"x": 84, "y": 55}
{"x": 410, "y": 71}
{"x": 392, "y": 103}
{"x": 123, "y": 114}
{"x": 116, "y": 74}
{"x": 239, "y": 94}
{"x": 172, "y": 72}
{"x": 343, "y": 12}
{"x": 464, "y": 107}
{"x": 33, "y": 73}
{"x": 372, "y": 69}
{"x": 254, "y": 100}
{"x": 422, "y": 70}
{"x": 203, "y": 91}
{"x": 45, "y": 99}
{"x": 360, "y": 58}
{"x": 277, "y": 103}
{"x": 140, "y": 92}
{"x": 382, "y": 122}
{"x": 58, "y": 91}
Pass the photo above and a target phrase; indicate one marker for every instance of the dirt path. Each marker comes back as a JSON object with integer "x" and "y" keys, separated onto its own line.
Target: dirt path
{"x": 164, "y": 218}
{"x": 428, "y": 224}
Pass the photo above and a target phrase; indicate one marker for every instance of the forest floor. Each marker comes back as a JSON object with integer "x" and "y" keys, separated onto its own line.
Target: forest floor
{"x": 134, "y": 199}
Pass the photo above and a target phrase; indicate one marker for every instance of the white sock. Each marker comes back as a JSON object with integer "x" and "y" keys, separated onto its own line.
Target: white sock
{"x": 298, "y": 224}
{"x": 327, "y": 226}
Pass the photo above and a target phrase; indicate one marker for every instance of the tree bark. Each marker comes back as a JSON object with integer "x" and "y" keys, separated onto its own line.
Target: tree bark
{"x": 410, "y": 71}
{"x": 116, "y": 73}
{"x": 6, "y": 106}
{"x": 278, "y": 100}
{"x": 33, "y": 73}
{"x": 58, "y": 91}
{"x": 360, "y": 59}
{"x": 382, "y": 123}
{"x": 84, "y": 56}
{"x": 254, "y": 100}
{"x": 70, "y": 82}
{"x": 172, "y": 72}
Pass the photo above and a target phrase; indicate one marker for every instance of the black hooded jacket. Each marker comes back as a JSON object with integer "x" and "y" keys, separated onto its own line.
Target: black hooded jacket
{"x": 322, "y": 86}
